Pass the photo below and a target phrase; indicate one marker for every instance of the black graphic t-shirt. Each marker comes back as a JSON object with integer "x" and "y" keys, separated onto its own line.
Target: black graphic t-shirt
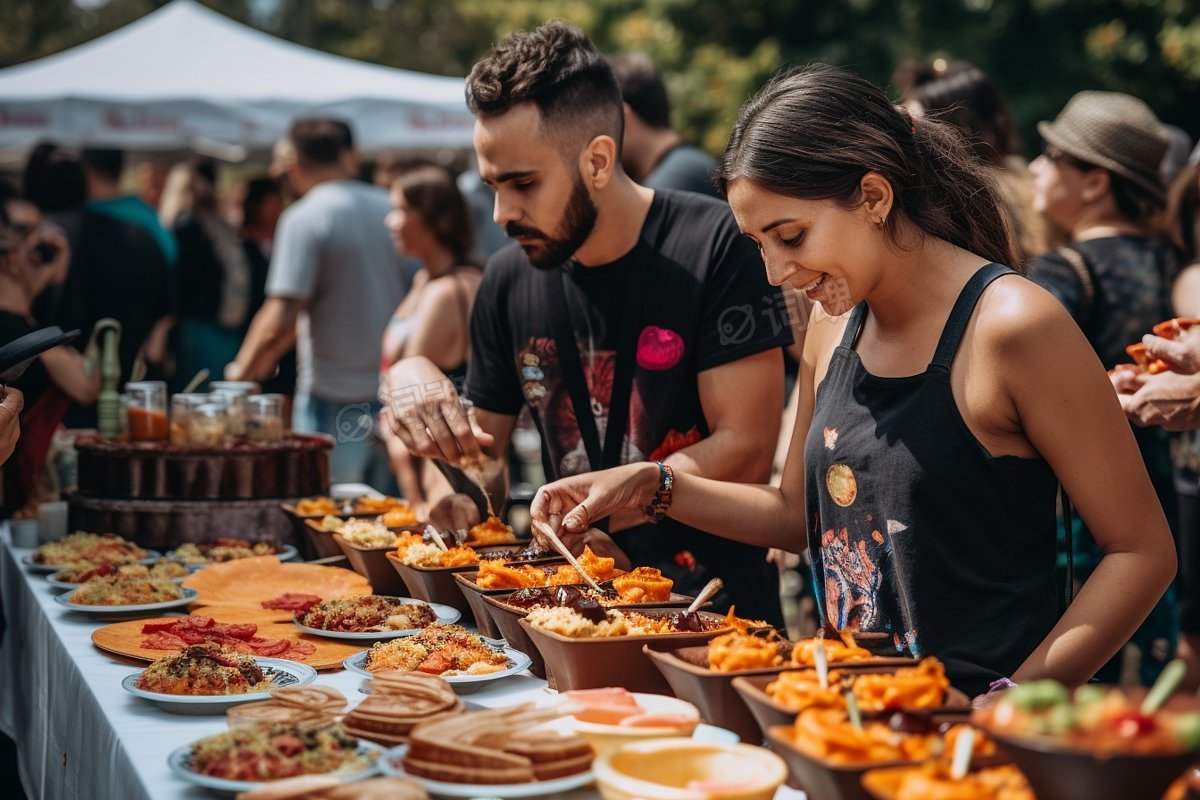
{"x": 698, "y": 293}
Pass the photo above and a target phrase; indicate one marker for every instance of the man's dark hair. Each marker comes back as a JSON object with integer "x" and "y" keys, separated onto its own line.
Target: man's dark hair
{"x": 257, "y": 191}
{"x": 106, "y": 162}
{"x": 53, "y": 179}
{"x": 557, "y": 68}
{"x": 320, "y": 141}
{"x": 642, "y": 88}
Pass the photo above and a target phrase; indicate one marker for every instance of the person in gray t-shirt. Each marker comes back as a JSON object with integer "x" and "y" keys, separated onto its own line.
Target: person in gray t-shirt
{"x": 334, "y": 262}
{"x": 652, "y": 152}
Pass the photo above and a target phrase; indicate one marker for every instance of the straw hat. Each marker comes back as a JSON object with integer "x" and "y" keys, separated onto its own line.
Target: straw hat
{"x": 1111, "y": 130}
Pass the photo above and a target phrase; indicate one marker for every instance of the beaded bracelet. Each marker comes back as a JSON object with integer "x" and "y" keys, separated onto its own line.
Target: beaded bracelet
{"x": 657, "y": 510}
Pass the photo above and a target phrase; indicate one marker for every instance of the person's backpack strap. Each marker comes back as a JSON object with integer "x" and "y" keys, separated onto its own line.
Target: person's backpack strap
{"x": 1079, "y": 265}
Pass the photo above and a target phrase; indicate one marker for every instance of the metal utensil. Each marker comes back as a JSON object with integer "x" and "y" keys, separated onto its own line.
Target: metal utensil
{"x": 548, "y": 532}
{"x": 710, "y": 588}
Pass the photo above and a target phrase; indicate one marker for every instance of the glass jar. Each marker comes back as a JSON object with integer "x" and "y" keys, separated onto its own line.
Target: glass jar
{"x": 264, "y": 417}
{"x": 207, "y": 425}
{"x": 234, "y": 394}
{"x": 146, "y": 410}
{"x": 181, "y": 412}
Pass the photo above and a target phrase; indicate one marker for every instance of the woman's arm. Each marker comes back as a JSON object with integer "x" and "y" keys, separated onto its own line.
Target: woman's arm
{"x": 66, "y": 370}
{"x": 760, "y": 515}
{"x": 1065, "y": 406}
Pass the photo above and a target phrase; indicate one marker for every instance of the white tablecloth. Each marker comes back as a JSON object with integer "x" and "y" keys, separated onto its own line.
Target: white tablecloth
{"x": 80, "y": 735}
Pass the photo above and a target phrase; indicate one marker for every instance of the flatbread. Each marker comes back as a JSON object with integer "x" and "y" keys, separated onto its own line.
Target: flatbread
{"x": 250, "y": 581}
{"x": 125, "y": 639}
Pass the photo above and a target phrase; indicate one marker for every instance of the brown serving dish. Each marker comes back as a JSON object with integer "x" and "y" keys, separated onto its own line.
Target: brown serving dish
{"x": 592, "y": 663}
{"x": 1056, "y": 772}
{"x": 828, "y": 781}
{"x": 372, "y": 564}
{"x": 437, "y": 584}
{"x": 508, "y": 622}
{"x": 768, "y": 712}
{"x": 320, "y": 540}
{"x": 485, "y": 615}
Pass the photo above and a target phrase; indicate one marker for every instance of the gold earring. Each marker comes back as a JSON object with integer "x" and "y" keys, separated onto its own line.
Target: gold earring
{"x": 879, "y": 222}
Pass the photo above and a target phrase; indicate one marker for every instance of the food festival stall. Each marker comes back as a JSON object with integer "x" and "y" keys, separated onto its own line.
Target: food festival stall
{"x": 188, "y": 78}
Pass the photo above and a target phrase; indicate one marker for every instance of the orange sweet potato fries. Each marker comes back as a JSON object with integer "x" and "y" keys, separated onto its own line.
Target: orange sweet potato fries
{"x": 1142, "y": 362}
{"x": 495, "y": 574}
{"x": 828, "y": 734}
{"x": 921, "y": 686}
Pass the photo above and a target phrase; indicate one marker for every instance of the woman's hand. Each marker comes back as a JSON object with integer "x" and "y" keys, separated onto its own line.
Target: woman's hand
{"x": 1182, "y": 354}
{"x": 455, "y": 512}
{"x": 574, "y": 503}
{"x": 428, "y": 416}
{"x": 10, "y": 422}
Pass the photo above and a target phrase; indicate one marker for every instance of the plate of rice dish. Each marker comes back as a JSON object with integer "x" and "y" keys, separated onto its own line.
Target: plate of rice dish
{"x": 243, "y": 759}
{"x": 373, "y": 616}
{"x": 82, "y": 547}
{"x": 450, "y": 651}
{"x": 116, "y": 594}
{"x": 208, "y": 679}
{"x": 75, "y": 576}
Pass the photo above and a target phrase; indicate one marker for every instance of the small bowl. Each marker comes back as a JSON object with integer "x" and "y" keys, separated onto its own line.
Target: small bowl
{"x": 437, "y": 584}
{"x": 1056, "y": 772}
{"x": 767, "y": 711}
{"x": 606, "y": 738}
{"x": 820, "y": 778}
{"x": 612, "y": 661}
{"x": 508, "y": 622}
{"x": 321, "y": 540}
{"x": 372, "y": 564}
{"x": 661, "y": 769}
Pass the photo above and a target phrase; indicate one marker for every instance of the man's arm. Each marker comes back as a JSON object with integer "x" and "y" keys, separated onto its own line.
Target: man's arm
{"x": 272, "y": 334}
{"x": 743, "y": 404}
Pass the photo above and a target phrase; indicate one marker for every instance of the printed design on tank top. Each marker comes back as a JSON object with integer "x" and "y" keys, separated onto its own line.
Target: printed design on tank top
{"x": 854, "y": 563}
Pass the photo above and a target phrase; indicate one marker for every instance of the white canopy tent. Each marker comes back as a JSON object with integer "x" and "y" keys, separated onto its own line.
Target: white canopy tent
{"x": 188, "y": 78}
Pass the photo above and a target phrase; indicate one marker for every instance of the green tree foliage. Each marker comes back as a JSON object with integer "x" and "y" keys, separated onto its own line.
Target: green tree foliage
{"x": 715, "y": 53}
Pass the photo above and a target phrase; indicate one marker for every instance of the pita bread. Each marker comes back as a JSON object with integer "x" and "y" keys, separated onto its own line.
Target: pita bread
{"x": 250, "y": 581}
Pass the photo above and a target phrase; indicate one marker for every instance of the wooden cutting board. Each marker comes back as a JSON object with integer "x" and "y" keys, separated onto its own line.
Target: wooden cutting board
{"x": 250, "y": 581}
{"x": 125, "y": 639}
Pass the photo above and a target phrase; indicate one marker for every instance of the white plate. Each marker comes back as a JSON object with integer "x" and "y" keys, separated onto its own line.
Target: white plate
{"x": 519, "y": 662}
{"x": 392, "y": 765}
{"x": 27, "y": 560}
{"x": 180, "y": 762}
{"x": 446, "y": 615}
{"x": 67, "y": 586}
{"x": 280, "y": 672}
{"x": 144, "y": 610}
{"x": 285, "y": 553}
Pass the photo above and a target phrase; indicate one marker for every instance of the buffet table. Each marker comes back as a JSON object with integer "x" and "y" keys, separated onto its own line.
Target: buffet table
{"x": 79, "y": 734}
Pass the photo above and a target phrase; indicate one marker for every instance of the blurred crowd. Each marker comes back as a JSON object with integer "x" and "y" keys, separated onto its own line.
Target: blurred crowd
{"x": 316, "y": 283}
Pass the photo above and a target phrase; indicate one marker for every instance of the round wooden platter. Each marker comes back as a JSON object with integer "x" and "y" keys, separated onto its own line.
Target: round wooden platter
{"x": 125, "y": 639}
{"x": 249, "y": 581}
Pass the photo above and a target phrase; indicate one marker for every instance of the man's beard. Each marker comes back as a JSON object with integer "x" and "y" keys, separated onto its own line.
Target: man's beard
{"x": 577, "y": 224}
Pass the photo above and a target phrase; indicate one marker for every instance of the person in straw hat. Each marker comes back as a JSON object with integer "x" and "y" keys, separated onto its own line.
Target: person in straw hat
{"x": 1098, "y": 179}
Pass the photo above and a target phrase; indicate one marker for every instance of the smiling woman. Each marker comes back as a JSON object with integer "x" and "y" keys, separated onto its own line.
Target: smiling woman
{"x": 934, "y": 419}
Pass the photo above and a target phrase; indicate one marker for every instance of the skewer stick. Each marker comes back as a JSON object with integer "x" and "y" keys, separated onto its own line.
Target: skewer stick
{"x": 710, "y": 588}
{"x": 433, "y": 533}
{"x": 548, "y": 532}
{"x": 853, "y": 712}
{"x": 963, "y": 748}
{"x": 821, "y": 661}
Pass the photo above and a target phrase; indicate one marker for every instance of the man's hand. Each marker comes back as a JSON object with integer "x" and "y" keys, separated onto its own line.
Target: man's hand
{"x": 10, "y": 422}
{"x": 428, "y": 416}
{"x": 454, "y": 512}
{"x": 1168, "y": 400}
{"x": 1182, "y": 354}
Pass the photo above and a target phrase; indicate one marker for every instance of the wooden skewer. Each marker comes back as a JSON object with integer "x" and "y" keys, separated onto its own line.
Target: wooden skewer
{"x": 437, "y": 537}
{"x": 710, "y": 588}
{"x": 548, "y": 532}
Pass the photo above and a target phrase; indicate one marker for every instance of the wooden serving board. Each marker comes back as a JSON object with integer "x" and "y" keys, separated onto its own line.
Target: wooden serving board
{"x": 250, "y": 581}
{"x": 125, "y": 639}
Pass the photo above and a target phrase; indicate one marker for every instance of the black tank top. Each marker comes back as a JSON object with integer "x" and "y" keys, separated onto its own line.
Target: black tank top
{"x": 915, "y": 529}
